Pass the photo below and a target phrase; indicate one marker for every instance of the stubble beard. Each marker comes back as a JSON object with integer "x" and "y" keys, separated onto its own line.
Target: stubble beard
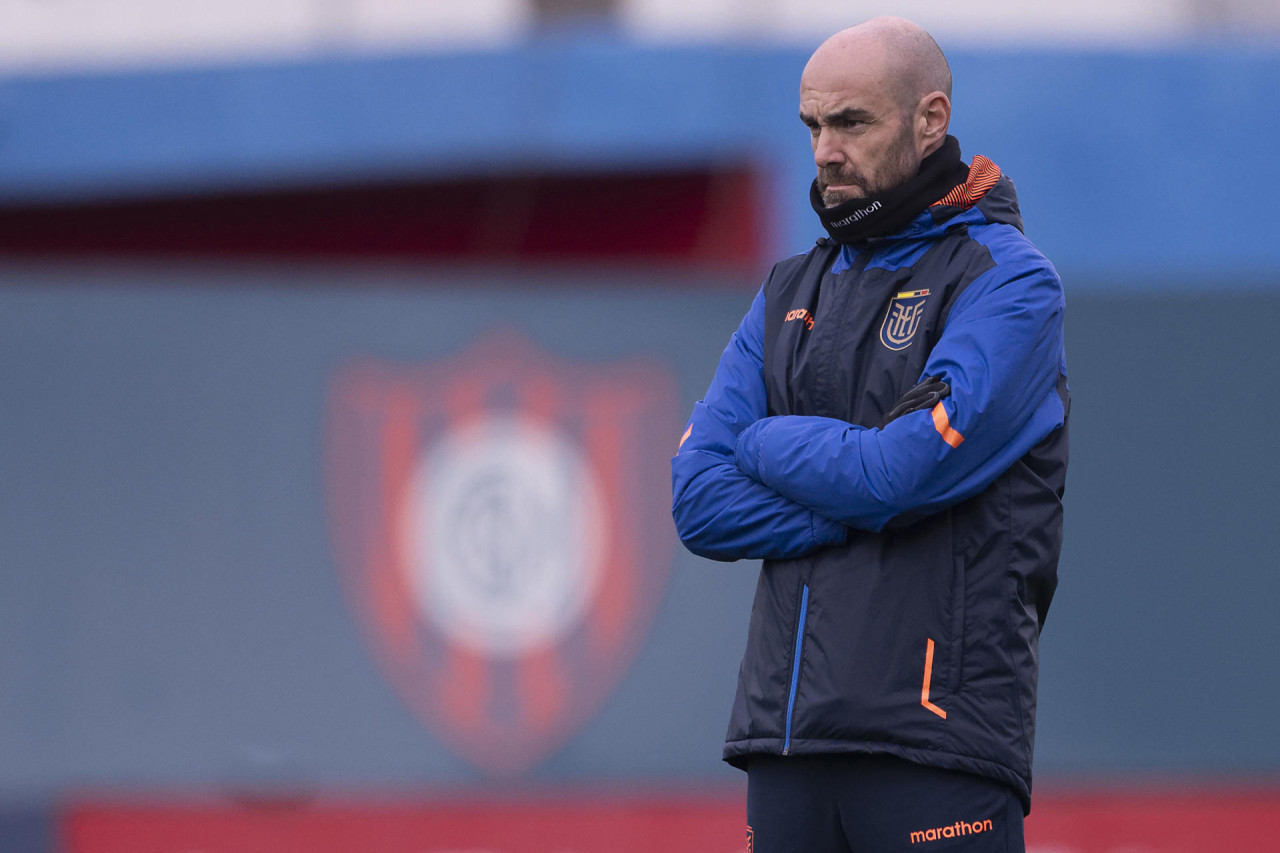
{"x": 899, "y": 166}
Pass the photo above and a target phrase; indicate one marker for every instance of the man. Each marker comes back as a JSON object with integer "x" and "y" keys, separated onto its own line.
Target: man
{"x": 887, "y": 431}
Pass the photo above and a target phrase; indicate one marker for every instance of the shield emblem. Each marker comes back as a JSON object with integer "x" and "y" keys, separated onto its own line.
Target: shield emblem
{"x": 501, "y": 520}
{"x": 902, "y": 319}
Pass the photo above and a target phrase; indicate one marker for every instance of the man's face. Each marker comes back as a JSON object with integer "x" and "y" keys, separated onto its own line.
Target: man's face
{"x": 863, "y": 138}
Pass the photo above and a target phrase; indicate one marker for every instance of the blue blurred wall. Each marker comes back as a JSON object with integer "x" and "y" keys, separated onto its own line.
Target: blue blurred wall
{"x": 1135, "y": 168}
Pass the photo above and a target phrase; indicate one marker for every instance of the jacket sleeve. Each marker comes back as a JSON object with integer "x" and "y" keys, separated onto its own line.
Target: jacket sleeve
{"x": 1001, "y": 351}
{"x": 719, "y": 511}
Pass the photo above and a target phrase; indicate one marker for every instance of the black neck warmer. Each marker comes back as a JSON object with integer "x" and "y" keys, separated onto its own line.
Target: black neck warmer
{"x": 860, "y": 219}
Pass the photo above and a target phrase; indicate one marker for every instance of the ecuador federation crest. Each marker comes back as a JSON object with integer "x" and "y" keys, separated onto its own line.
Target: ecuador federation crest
{"x": 903, "y": 318}
{"x": 501, "y": 521}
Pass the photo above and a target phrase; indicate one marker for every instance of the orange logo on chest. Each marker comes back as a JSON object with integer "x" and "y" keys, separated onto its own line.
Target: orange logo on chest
{"x": 801, "y": 314}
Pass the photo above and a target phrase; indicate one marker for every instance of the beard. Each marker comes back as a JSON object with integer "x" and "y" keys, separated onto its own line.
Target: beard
{"x": 898, "y": 167}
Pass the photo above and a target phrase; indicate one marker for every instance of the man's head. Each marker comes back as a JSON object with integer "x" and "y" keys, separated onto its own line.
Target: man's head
{"x": 877, "y": 100}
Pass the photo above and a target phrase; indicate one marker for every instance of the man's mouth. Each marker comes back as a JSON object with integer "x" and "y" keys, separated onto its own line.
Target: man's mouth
{"x": 833, "y": 194}
{"x": 843, "y": 185}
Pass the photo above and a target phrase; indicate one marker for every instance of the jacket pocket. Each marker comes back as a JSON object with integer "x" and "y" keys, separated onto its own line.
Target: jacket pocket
{"x": 955, "y": 657}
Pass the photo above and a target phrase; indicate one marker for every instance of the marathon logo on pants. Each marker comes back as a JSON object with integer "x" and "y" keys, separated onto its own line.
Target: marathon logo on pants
{"x": 956, "y": 830}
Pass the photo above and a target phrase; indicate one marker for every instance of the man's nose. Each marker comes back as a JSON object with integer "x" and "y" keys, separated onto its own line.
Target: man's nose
{"x": 825, "y": 150}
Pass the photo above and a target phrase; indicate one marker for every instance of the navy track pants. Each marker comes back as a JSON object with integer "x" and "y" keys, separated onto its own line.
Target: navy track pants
{"x": 875, "y": 803}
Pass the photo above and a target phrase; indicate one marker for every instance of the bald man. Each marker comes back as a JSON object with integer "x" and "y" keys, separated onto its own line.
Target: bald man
{"x": 887, "y": 430}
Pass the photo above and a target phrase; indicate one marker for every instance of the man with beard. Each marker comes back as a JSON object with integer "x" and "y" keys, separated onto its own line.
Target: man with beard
{"x": 887, "y": 431}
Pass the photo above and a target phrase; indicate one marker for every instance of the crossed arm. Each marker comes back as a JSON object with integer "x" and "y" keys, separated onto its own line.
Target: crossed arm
{"x": 746, "y": 485}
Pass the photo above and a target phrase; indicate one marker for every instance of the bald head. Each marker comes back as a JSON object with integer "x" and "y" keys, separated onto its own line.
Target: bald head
{"x": 900, "y": 52}
{"x": 877, "y": 101}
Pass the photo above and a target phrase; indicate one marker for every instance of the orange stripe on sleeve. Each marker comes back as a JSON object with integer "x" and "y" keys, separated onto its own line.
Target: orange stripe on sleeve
{"x": 942, "y": 423}
{"x": 685, "y": 437}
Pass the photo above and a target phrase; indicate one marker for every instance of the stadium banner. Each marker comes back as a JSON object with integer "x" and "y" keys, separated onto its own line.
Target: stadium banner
{"x": 1095, "y": 822}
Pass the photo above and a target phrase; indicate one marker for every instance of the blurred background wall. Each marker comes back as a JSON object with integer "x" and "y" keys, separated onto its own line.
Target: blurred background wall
{"x": 343, "y": 346}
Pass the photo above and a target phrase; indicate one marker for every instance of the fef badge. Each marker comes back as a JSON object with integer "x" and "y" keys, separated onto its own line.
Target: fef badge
{"x": 903, "y": 318}
{"x": 501, "y": 520}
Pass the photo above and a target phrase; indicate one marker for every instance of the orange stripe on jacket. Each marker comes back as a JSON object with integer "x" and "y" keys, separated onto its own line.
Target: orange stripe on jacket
{"x": 928, "y": 676}
{"x": 685, "y": 437}
{"x": 942, "y": 423}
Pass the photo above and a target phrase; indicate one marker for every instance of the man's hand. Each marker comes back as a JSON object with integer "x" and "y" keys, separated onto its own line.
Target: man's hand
{"x": 923, "y": 396}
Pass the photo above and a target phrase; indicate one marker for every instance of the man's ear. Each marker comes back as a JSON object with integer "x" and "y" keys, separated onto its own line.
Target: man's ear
{"x": 933, "y": 117}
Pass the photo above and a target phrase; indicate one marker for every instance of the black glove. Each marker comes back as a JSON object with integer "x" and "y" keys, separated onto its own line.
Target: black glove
{"x": 923, "y": 396}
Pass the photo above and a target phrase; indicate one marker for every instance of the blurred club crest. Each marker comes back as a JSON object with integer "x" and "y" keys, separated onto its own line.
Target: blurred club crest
{"x": 501, "y": 520}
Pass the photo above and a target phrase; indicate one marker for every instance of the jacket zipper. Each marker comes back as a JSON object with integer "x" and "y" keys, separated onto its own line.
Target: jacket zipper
{"x": 795, "y": 668}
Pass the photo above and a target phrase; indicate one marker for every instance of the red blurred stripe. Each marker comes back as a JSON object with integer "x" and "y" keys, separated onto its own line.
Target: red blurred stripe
{"x": 1095, "y": 822}
{"x": 705, "y": 217}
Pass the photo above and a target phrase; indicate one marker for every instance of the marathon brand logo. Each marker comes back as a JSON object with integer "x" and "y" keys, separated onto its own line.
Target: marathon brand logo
{"x": 801, "y": 314}
{"x": 958, "y": 829}
{"x": 498, "y": 517}
{"x": 902, "y": 319}
{"x": 857, "y": 215}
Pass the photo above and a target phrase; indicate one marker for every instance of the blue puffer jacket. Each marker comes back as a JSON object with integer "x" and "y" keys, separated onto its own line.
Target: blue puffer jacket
{"x": 908, "y": 566}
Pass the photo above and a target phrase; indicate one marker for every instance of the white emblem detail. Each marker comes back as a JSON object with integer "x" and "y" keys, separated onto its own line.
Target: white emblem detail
{"x": 506, "y": 535}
